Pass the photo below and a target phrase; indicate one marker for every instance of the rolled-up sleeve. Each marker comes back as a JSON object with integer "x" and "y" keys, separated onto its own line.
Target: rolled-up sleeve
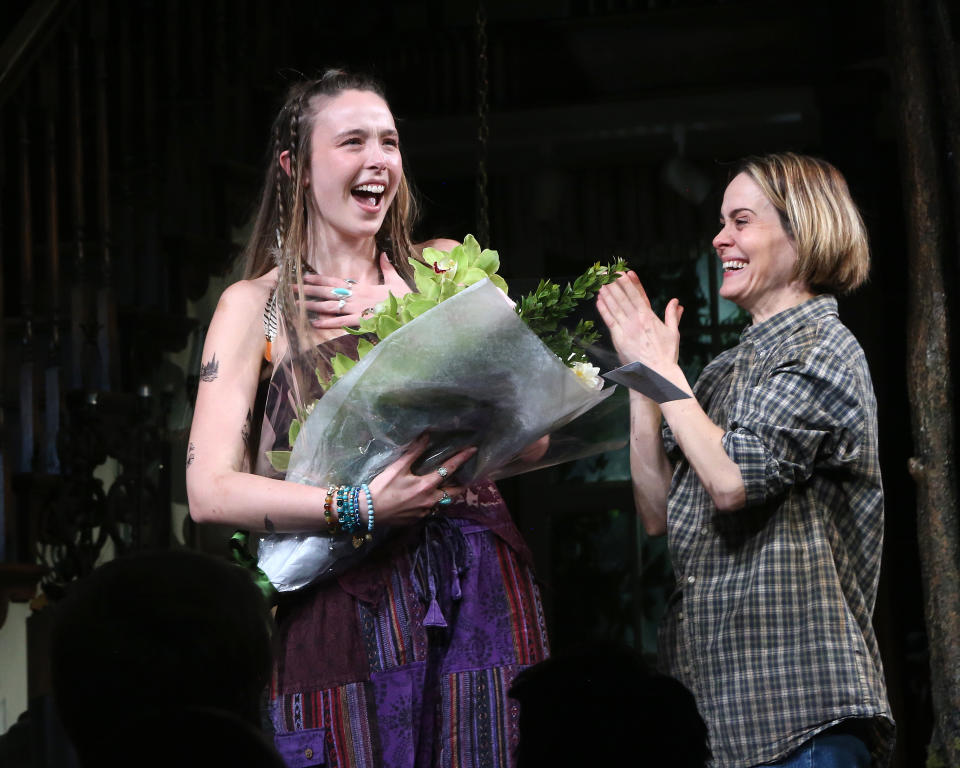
{"x": 806, "y": 414}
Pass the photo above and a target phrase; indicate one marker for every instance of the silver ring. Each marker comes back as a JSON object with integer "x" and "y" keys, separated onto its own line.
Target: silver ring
{"x": 341, "y": 293}
{"x": 442, "y": 471}
{"x": 340, "y": 305}
{"x": 349, "y": 281}
{"x": 444, "y": 499}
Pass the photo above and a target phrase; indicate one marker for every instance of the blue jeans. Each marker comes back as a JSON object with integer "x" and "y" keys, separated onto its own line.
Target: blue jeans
{"x": 828, "y": 750}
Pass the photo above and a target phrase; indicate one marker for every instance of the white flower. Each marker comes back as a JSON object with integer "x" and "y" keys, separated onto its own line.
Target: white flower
{"x": 589, "y": 375}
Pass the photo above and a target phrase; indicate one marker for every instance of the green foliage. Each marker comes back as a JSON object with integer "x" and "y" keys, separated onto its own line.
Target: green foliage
{"x": 294, "y": 431}
{"x": 544, "y": 308}
{"x": 439, "y": 276}
{"x": 279, "y": 460}
{"x": 443, "y": 274}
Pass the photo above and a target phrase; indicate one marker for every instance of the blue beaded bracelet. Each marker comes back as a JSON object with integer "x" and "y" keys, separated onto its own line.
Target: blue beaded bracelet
{"x": 351, "y": 512}
{"x": 366, "y": 492}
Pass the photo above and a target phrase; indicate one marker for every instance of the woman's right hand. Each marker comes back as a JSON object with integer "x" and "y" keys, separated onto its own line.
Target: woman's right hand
{"x": 402, "y": 498}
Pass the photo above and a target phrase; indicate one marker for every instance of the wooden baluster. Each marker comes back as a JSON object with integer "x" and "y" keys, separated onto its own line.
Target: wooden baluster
{"x": 27, "y": 396}
{"x": 153, "y": 283}
{"x": 79, "y": 375}
{"x": 50, "y": 460}
{"x": 220, "y": 92}
{"x": 4, "y": 556}
{"x": 125, "y": 145}
{"x": 106, "y": 308}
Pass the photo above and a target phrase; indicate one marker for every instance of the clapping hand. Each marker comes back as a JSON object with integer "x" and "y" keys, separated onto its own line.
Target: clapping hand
{"x": 638, "y": 333}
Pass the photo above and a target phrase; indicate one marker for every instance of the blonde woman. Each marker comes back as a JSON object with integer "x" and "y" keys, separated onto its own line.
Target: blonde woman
{"x": 766, "y": 480}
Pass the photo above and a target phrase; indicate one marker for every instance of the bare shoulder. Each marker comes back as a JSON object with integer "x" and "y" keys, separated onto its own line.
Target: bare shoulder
{"x": 244, "y": 295}
{"x": 239, "y": 313}
{"x": 440, "y": 243}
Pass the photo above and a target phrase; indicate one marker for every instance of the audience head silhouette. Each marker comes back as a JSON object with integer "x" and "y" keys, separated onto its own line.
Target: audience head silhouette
{"x": 162, "y": 658}
{"x": 603, "y": 705}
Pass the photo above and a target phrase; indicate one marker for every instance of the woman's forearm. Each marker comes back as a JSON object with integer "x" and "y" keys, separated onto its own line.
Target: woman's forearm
{"x": 254, "y": 502}
{"x": 649, "y": 466}
{"x": 700, "y": 440}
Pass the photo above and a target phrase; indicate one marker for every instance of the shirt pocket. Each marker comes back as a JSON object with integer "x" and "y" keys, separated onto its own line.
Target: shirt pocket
{"x": 301, "y": 749}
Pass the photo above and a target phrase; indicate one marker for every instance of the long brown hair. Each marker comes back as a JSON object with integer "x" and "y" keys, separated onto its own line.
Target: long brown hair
{"x": 280, "y": 229}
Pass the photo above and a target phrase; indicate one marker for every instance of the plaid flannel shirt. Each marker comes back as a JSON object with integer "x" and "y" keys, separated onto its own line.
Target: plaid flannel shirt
{"x": 770, "y": 625}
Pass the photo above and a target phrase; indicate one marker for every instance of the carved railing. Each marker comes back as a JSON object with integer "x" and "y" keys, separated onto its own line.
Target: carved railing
{"x": 85, "y": 450}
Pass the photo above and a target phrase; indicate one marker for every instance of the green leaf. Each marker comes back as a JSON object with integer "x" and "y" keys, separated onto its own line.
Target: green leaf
{"x": 499, "y": 282}
{"x": 417, "y": 305}
{"x": 473, "y": 275}
{"x": 387, "y": 325}
{"x": 279, "y": 460}
{"x": 470, "y": 249}
{"x": 341, "y": 364}
{"x": 430, "y": 256}
{"x": 448, "y": 288}
{"x": 425, "y": 269}
{"x": 488, "y": 261}
{"x": 425, "y": 285}
{"x": 462, "y": 261}
{"x": 391, "y": 308}
{"x": 293, "y": 432}
{"x": 364, "y": 346}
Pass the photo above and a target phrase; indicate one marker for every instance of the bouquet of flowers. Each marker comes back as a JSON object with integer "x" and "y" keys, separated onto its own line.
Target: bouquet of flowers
{"x": 455, "y": 359}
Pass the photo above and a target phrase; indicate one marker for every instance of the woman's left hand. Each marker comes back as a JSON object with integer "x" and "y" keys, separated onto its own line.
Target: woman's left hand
{"x": 637, "y": 333}
{"x": 335, "y": 310}
{"x": 535, "y": 451}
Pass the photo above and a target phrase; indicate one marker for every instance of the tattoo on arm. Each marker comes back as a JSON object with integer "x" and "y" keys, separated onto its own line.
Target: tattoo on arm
{"x": 268, "y": 525}
{"x": 210, "y": 369}
{"x": 191, "y": 454}
{"x": 245, "y": 429}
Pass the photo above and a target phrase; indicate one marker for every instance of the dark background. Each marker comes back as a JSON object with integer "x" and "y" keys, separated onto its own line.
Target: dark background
{"x": 590, "y": 104}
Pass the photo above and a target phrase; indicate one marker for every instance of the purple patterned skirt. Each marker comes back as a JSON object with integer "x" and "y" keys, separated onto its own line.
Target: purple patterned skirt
{"x": 407, "y": 659}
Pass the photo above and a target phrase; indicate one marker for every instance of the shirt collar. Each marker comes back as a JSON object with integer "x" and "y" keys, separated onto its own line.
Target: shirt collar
{"x": 768, "y": 332}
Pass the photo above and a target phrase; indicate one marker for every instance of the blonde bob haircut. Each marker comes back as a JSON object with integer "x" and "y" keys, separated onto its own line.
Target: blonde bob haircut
{"x": 819, "y": 215}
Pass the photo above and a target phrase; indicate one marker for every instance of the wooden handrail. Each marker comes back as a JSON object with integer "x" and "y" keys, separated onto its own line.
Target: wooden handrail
{"x": 27, "y": 40}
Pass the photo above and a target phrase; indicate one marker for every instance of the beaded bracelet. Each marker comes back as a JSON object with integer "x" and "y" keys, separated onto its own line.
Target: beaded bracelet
{"x": 358, "y": 538}
{"x": 366, "y": 492}
{"x": 343, "y": 506}
{"x": 332, "y": 525}
{"x": 342, "y": 512}
{"x": 354, "y": 508}
{"x": 348, "y": 511}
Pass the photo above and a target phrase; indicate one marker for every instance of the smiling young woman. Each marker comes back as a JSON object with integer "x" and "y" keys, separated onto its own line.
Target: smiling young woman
{"x": 406, "y": 657}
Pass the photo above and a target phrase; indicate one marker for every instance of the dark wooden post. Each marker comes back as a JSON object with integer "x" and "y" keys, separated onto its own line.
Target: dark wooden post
{"x": 929, "y": 377}
{"x": 4, "y": 490}
{"x": 78, "y": 308}
{"x": 28, "y": 397}
{"x": 945, "y": 50}
{"x": 106, "y": 309}
{"x": 49, "y": 459}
